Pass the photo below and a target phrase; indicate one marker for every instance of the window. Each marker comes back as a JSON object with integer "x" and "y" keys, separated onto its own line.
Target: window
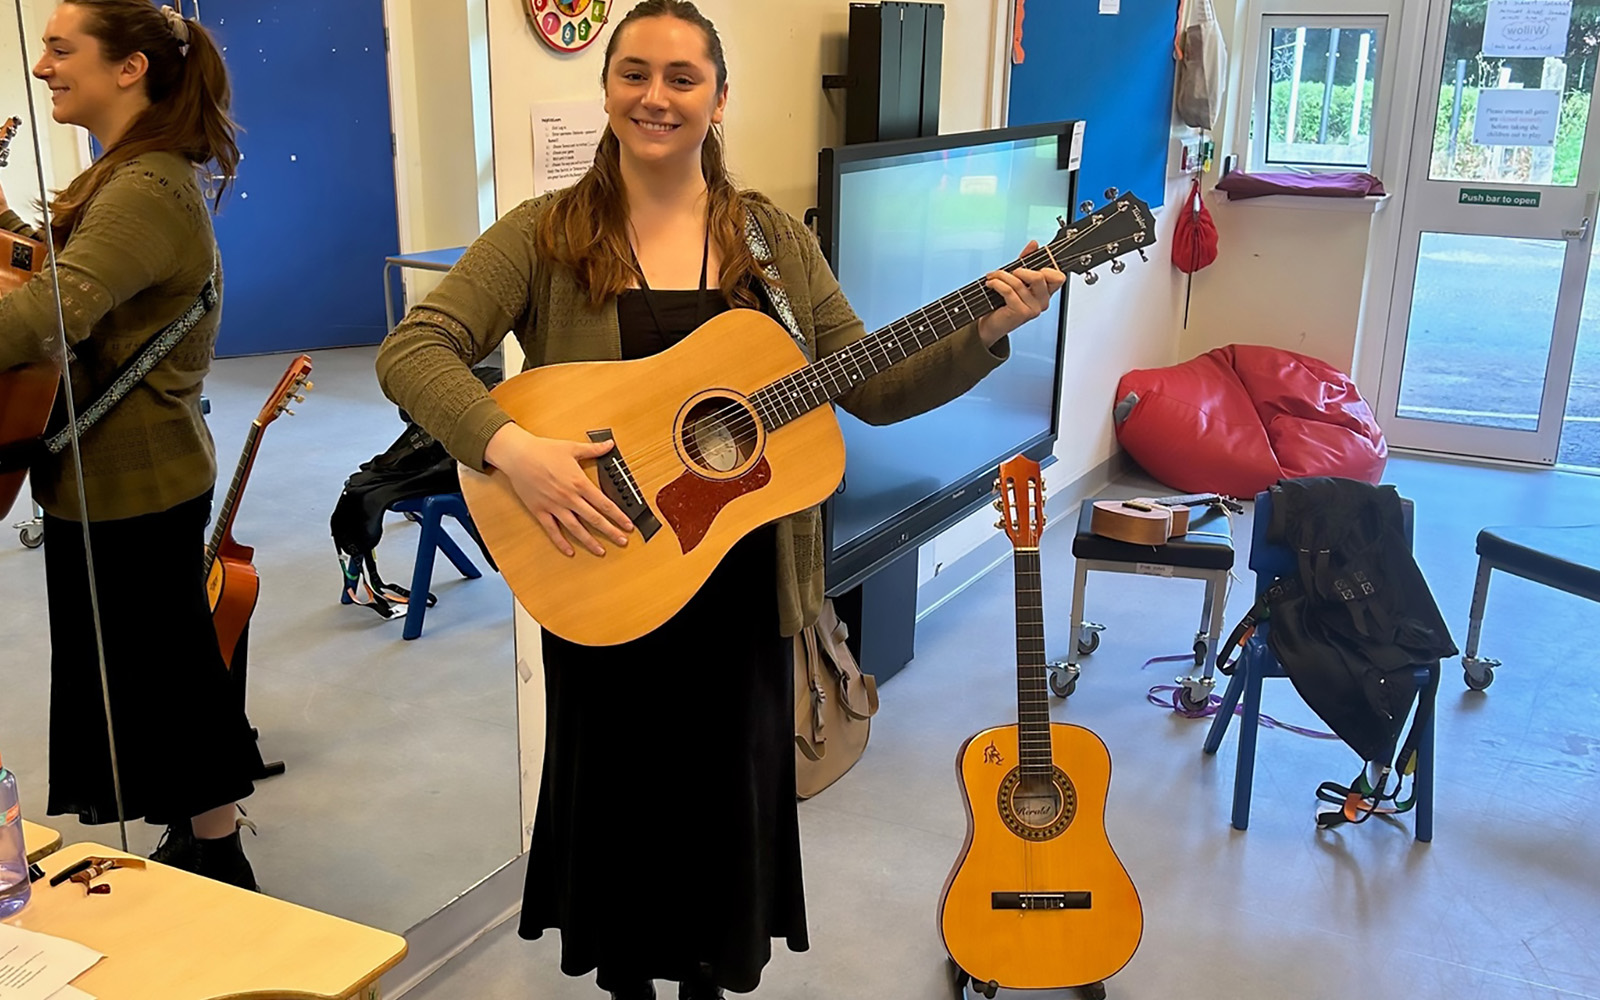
{"x": 1316, "y": 88}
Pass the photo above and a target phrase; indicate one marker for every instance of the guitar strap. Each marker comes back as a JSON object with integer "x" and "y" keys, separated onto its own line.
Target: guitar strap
{"x": 132, "y": 373}
{"x": 756, "y": 240}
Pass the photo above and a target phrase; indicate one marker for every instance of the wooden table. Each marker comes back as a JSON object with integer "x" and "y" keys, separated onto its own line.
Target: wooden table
{"x": 171, "y": 935}
{"x": 39, "y": 841}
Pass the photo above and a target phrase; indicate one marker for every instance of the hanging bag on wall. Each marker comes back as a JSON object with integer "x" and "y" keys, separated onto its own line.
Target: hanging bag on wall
{"x": 1202, "y": 65}
{"x": 1194, "y": 238}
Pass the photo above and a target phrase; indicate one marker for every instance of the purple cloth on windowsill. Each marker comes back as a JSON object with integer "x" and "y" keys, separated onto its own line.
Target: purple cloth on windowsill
{"x": 1350, "y": 184}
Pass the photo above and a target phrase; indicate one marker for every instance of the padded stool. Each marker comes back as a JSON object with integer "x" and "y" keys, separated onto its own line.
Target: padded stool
{"x": 429, "y": 512}
{"x": 1566, "y": 558}
{"x": 1205, "y": 553}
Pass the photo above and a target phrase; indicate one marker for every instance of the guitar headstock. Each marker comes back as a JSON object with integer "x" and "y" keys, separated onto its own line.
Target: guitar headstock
{"x": 1021, "y": 501}
{"x": 296, "y": 382}
{"x": 8, "y": 131}
{"x": 1123, "y": 225}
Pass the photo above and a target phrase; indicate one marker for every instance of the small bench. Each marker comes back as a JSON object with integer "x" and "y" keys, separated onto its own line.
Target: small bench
{"x": 1566, "y": 558}
{"x": 1205, "y": 553}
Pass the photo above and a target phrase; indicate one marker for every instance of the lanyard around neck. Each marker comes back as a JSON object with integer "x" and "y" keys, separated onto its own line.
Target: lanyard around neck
{"x": 700, "y": 298}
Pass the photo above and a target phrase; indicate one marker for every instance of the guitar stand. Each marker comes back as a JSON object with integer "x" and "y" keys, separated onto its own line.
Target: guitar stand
{"x": 960, "y": 979}
{"x": 240, "y": 672}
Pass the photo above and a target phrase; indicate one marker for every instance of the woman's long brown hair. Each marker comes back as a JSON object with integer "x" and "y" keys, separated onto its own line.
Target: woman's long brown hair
{"x": 189, "y": 97}
{"x": 586, "y": 228}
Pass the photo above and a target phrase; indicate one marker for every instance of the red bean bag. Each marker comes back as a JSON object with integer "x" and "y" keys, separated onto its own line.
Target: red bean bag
{"x": 1238, "y": 419}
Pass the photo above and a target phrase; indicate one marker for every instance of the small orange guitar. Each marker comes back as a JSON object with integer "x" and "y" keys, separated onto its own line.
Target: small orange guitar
{"x": 232, "y": 583}
{"x": 1037, "y": 898}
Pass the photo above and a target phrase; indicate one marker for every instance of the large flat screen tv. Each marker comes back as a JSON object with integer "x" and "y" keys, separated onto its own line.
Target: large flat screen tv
{"x": 903, "y": 224}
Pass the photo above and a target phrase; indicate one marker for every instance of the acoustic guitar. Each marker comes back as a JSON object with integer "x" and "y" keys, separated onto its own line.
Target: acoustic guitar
{"x": 232, "y": 583}
{"x": 723, "y": 432}
{"x": 1037, "y": 898}
{"x": 26, "y": 393}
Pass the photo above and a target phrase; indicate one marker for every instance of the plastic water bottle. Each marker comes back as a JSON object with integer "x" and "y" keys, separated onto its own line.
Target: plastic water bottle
{"x": 14, "y": 886}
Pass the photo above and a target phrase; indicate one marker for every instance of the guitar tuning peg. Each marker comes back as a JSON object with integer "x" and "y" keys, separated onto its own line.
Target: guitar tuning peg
{"x": 1111, "y": 194}
{"x": 1142, "y": 255}
{"x": 288, "y": 411}
{"x": 1062, "y": 221}
{"x": 310, "y": 385}
{"x": 1090, "y": 278}
{"x": 1086, "y": 206}
{"x": 300, "y": 397}
{"x": 1117, "y": 266}
{"x": 1000, "y": 525}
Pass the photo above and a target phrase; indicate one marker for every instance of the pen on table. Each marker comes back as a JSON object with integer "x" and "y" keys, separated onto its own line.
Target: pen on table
{"x": 69, "y": 871}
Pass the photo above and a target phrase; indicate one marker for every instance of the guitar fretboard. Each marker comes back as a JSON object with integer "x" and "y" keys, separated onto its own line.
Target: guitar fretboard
{"x": 224, "y": 522}
{"x": 1033, "y": 694}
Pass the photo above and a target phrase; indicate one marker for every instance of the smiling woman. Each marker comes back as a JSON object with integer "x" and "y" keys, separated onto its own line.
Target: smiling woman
{"x": 648, "y": 868}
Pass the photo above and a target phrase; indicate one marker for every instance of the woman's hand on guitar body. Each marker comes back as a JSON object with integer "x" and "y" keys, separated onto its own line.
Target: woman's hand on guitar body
{"x": 548, "y": 480}
{"x": 1027, "y": 293}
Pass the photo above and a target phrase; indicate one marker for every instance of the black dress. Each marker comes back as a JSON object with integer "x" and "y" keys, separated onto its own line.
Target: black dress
{"x": 667, "y": 836}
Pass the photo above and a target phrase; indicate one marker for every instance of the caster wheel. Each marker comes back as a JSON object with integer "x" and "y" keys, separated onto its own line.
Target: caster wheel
{"x": 1478, "y": 683}
{"x": 1088, "y": 643}
{"x": 32, "y": 535}
{"x": 1199, "y": 652}
{"x": 1063, "y": 682}
{"x": 1187, "y": 700}
{"x": 1094, "y": 991}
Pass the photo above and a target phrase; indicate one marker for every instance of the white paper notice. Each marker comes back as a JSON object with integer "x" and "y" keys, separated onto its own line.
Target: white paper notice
{"x": 1509, "y": 117}
{"x": 1527, "y": 28}
{"x": 1110, "y": 6}
{"x": 36, "y": 966}
{"x": 565, "y": 134}
{"x": 1075, "y": 151}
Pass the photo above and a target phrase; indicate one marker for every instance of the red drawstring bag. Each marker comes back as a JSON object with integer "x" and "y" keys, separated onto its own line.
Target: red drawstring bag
{"x": 1194, "y": 240}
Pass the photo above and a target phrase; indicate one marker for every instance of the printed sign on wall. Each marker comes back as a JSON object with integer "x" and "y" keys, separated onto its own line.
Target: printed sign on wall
{"x": 1523, "y": 28}
{"x": 1512, "y": 117}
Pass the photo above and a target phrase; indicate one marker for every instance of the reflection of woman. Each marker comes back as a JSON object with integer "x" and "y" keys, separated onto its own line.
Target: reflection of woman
{"x": 134, "y": 249}
{"x": 666, "y": 844}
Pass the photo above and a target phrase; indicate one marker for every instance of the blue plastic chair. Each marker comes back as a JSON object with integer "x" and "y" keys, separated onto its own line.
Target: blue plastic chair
{"x": 1257, "y": 662}
{"x": 429, "y": 512}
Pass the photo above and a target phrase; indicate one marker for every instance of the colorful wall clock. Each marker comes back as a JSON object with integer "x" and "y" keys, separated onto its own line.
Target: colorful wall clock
{"x": 568, "y": 25}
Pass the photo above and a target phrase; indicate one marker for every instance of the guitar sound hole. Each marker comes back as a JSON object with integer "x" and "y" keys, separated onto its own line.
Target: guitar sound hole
{"x": 1037, "y": 807}
{"x": 719, "y": 434}
{"x": 1036, "y": 802}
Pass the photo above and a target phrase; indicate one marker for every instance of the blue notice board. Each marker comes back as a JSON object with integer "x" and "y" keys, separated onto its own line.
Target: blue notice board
{"x": 1114, "y": 71}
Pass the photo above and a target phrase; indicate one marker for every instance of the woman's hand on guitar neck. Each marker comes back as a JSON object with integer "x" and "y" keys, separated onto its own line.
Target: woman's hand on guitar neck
{"x": 1026, "y": 292}
{"x": 548, "y": 480}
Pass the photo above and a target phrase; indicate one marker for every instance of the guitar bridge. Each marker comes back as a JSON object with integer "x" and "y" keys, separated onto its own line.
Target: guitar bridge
{"x": 1040, "y": 900}
{"x": 617, "y": 483}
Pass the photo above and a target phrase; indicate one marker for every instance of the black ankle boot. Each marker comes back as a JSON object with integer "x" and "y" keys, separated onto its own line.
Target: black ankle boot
{"x": 700, "y": 986}
{"x": 176, "y": 849}
{"x": 639, "y": 991}
{"x": 223, "y": 860}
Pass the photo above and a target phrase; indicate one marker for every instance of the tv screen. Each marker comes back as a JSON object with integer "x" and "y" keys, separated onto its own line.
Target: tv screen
{"x": 904, "y": 224}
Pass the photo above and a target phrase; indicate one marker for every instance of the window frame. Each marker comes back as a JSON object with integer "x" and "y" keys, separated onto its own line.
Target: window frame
{"x": 1299, "y": 15}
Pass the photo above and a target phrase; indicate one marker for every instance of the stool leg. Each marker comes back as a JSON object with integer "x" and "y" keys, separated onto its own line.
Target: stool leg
{"x": 422, "y": 574}
{"x": 1080, "y": 581}
{"x": 1425, "y": 762}
{"x": 1219, "y": 623}
{"x": 1249, "y": 728}
{"x": 458, "y": 558}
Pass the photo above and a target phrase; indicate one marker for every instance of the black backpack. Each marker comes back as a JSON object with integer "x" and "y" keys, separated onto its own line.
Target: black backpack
{"x": 1352, "y": 625}
{"x": 415, "y": 465}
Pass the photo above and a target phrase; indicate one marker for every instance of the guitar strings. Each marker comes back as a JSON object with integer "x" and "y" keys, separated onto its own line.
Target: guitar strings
{"x": 737, "y": 419}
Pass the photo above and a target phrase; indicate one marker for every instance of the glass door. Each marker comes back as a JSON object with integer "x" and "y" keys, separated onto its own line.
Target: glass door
{"x": 1497, "y": 231}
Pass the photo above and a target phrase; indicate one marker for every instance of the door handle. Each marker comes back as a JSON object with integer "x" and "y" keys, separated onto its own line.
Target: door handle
{"x": 1580, "y": 234}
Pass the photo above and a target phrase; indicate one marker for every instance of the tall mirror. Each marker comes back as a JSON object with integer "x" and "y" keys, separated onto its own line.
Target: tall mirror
{"x": 53, "y": 714}
{"x": 280, "y": 729}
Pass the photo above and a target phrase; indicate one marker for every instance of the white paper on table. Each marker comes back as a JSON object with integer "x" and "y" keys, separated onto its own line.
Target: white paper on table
{"x": 1514, "y": 117}
{"x": 37, "y": 966}
{"x": 1523, "y": 28}
{"x": 565, "y": 134}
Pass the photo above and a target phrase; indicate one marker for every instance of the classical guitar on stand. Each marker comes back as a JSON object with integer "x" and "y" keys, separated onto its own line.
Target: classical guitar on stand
{"x": 26, "y": 393}
{"x": 1037, "y": 898}
{"x": 699, "y": 463}
{"x": 232, "y": 583}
